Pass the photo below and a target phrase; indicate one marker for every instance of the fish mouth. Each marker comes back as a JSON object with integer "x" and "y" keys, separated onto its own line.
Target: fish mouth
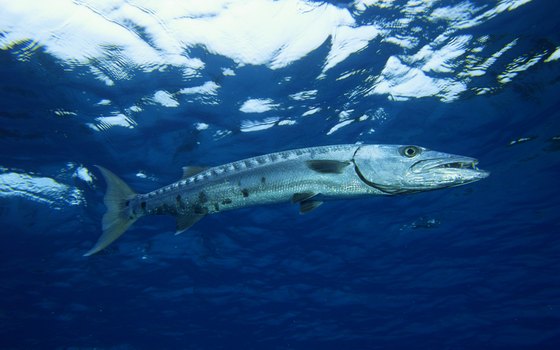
{"x": 463, "y": 165}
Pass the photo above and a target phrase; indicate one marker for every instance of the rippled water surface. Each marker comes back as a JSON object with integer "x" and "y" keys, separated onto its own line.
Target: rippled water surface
{"x": 147, "y": 87}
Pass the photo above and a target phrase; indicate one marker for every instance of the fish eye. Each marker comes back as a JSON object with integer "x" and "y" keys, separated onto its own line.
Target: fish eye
{"x": 410, "y": 151}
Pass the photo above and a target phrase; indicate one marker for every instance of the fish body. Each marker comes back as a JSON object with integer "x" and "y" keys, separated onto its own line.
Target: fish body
{"x": 306, "y": 176}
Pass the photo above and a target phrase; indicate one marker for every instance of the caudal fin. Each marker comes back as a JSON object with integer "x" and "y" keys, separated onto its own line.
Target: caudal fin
{"x": 117, "y": 218}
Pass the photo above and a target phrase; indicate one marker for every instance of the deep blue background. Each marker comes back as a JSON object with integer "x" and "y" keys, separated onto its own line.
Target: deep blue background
{"x": 470, "y": 267}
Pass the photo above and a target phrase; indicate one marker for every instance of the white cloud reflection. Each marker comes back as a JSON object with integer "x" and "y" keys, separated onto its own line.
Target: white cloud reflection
{"x": 257, "y": 105}
{"x": 43, "y": 190}
{"x": 152, "y": 34}
{"x": 116, "y": 38}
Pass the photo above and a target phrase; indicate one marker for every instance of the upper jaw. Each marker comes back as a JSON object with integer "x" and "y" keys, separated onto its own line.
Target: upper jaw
{"x": 466, "y": 165}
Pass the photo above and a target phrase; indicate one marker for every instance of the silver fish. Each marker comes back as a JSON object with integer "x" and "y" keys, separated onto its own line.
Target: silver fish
{"x": 306, "y": 176}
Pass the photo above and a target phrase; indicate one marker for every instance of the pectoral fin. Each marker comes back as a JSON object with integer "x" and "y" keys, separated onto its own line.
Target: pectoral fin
{"x": 184, "y": 222}
{"x": 326, "y": 166}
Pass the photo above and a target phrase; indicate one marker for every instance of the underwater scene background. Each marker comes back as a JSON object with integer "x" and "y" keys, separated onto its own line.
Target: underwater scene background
{"x": 144, "y": 88}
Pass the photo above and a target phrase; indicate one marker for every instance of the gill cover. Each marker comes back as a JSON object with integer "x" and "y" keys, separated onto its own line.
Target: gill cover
{"x": 386, "y": 167}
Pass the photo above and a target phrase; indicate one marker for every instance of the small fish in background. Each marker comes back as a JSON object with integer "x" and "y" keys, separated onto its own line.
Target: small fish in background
{"x": 422, "y": 223}
{"x": 306, "y": 176}
{"x": 521, "y": 140}
{"x": 553, "y": 144}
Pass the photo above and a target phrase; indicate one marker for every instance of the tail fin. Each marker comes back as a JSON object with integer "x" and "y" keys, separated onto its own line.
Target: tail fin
{"x": 117, "y": 219}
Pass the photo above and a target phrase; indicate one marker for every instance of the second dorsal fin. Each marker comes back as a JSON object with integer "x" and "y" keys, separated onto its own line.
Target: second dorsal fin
{"x": 189, "y": 171}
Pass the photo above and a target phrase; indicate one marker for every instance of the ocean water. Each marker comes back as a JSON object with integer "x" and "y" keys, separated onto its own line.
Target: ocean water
{"x": 144, "y": 88}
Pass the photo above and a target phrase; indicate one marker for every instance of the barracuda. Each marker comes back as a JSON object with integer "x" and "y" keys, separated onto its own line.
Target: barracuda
{"x": 306, "y": 177}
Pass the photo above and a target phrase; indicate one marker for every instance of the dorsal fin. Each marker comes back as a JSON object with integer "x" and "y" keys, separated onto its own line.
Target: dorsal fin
{"x": 189, "y": 171}
{"x": 327, "y": 166}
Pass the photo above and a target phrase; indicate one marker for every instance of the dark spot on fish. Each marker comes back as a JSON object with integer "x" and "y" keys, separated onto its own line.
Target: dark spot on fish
{"x": 143, "y": 205}
{"x": 180, "y": 205}
{"x": 263, "y": 180}
{"x": 216, "y": 207}
{"x": 127, "y": 203}
{"x": 245, "y": 192}
{"x": 200, "y": 210}
{"x": 226, "y": 201}
{"x": 202, "y": 198}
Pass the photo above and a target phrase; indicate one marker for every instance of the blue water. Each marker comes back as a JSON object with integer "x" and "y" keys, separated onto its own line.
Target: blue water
{"x": 472, "y": 267}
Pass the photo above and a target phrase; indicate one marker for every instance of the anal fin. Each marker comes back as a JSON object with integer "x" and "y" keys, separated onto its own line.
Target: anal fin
{"x": 302, "y": 196}
{"x": 308, "y": 206}
{"x": 184, "y": 222}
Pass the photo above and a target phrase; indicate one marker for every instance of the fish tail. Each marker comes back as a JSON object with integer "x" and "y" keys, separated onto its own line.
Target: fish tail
{"x": 118, "y": 217}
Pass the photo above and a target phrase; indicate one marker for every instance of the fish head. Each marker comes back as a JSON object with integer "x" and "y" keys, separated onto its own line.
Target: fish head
{"x": 399, "y": 169}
